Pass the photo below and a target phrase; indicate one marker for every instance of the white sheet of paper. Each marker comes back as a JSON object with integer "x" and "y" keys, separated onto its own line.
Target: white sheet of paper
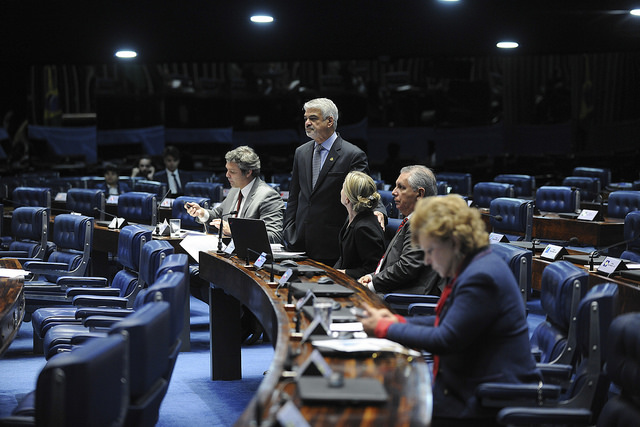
{"x": 194, "y": 243}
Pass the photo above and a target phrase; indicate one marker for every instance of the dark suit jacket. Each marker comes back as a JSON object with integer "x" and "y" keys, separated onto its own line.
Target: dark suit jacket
{"x": 123, "y": 187}
{"x": 361, "y": 245}
{"x": 314, "y": 216}
{"x": 263, "y": 202}
{"x": 482, "y": 337}
{"x": 182, "y": 175}
{"x": 403, "y": 268}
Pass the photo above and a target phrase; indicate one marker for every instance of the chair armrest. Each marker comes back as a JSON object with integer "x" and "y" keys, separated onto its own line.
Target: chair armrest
{"x": 555, "y": 371}
{"x": 539, "y": 416}
{"x": 406, "y": 299}
{"x": 537, "y": 354}
{"x": 422, "y": 309}
{"x": 46, "y": 266}
{"x": 99, "y": 301}
{"x": 106, "y": 292}
{"x": 100, "y": 321}
{"x": 84, "y": 312}
{"x": 39, "y": 288}
{"x": 15, "y": 254}
{"x": 71, "y": 281}
{"x": 84, "y": 337}
{"x": 503, "y": 394}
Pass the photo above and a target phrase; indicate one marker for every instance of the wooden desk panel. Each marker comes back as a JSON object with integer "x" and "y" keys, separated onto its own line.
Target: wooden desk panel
{"x": 406, "y": 379}
{"x": 12, "y": 305}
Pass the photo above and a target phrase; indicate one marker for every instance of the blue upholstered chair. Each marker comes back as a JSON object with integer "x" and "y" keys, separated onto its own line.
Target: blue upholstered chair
{"x": 156, "y": 187}
{"x": 31, "y": 196}
{"x": 179, "y": 212}
{"x": 632, "y": 231}
{"x": 623, "y": 367}
{"x": 562, "y": 287}
{"x": 603, "y": 174}
{"x": 459, "y": 182}
{"x": 88, "y": 386}
{"x": 389, "y": 204}
{"x": 622, "y": 202}
{"x": 138, "y": 207}
{"x": 86, "y": 201}
{"x": 30, "y": 231}
{"x": 557, "y": 199}
{"x": 442, "y": 187}
{"x": 588, "y": 186}
{"x": 284, "y": 179}
{"x": 512, "y": 215}
{"x": 519, "y": 261}
{"x": 524, "y": 184}
{"x": 210, "y": 190}
{"x": 485, "y": 192}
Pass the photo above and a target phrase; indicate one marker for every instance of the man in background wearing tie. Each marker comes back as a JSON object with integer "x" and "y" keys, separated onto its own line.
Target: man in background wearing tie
{"x": 249, "y": 196}
{"x": 174, "y": 178}
{"x": 314, "y": 213}
{"x": 401, "y": 268}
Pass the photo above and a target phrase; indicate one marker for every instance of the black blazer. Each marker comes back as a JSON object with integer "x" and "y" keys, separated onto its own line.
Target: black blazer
{"x": 184, "y": 176}
{"x": 314, "y": 216}
{"x": 403, "y": 268}
{"x": 361, "y": 245}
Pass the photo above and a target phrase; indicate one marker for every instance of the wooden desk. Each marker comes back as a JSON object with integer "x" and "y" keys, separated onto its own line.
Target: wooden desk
{"x": 406, "y": 379}
{"x": 628, "y": 290}
{"x": 11, "y": 305}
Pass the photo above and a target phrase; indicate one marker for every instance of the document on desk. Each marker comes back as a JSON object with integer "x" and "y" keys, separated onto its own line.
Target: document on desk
{"x": 12, "y": 272}
{"x": 363, "y": 345}
{"x": 193, "y": 243}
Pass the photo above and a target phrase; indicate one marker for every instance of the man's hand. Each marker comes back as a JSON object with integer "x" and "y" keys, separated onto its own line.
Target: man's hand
{"x": 194, "y": 209}
{"x": 380, "y": 216}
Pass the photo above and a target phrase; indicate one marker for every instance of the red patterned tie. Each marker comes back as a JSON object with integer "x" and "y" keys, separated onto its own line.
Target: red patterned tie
{"x": 404, "y": 221}
{"x": 238, "y": 205}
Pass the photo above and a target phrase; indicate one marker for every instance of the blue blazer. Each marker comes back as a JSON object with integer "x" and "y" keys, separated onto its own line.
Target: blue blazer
{"x": 361, "y": 245}
{"x": 482, "y": 337}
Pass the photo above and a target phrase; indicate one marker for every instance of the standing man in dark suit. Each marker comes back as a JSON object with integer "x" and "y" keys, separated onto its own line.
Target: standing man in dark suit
{"x": 401, "y": 268}
{"x": 314, "y": 214}
{"x": 174, "y": 178}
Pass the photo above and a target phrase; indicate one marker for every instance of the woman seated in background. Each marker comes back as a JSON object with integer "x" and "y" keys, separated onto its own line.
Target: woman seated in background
{"x": 479, "y": 332}
{"x": 361, "y": 237}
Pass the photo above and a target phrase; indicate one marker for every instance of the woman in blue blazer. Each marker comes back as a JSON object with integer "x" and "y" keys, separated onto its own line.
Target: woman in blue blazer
{"x": 361, "y": 237}
{"x": 479, "y": 333}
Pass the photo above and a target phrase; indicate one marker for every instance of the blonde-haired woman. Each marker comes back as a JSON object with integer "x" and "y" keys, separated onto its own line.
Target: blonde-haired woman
{"x": 479, "y": 333}
{"x": 361, "y": 237}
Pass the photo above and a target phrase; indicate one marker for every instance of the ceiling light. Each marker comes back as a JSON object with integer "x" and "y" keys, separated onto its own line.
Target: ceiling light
{"x": 507, "y": 45}
{"x": 126, "y": 54}
{"x": 262, "y": 19}
{"x": 635, "y": 12}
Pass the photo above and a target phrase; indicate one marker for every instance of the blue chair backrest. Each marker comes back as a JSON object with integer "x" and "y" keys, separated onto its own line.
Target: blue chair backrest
{"x": 389, "y": 204}
{"x": 606, "y": 295}
{"x": 131, "y": 239}
{"x": 588, "y": 186}
{"x": 210, "y": 190}
{"x": 138, "y": 207}
{"x": 179, "y": 212}
{"x": 442, "y": 187}
{"x": 556, "y": 290}
{"x": 603, "y": 174}
{"x": 622, "y": 202}
{"x": 173, "y": 263}
{"x": 459, "y": 182}
{"x": 87, "y": 386}
{"x": 87, "y": 201}
{"x": 523, "y": 184}
{"x": 73, "y": 237}
{"x": 485, "y": 192}
{"x": 152, "y": 255}
{"x": 29, "y": 227}
{"x": 557, "y": 199}
{"x": 632, "y": 231}
{"x": 519, "y": 261}
{"x": 156, "y": 187}
{"x": 517, "y": 215}
{"x": 32, "y": 196}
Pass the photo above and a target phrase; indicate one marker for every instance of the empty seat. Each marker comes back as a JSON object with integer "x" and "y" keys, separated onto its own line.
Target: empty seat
{"x": 632, "y": 235}
{"x": 557, "y": 199}
{"x": 622, "y": 202}
{"x": 603, "y": 174}
{"x": 138, "y": 207}
{"x": 179, "y": 212}
{"x": 485, "y": 192}
{"x": 86, "y": 201}
{"x": 32, "y": 196}
{"x": 588, "y": 186}
{"x": 512, "y": 215}
{"x": 156, "y": 187}
{"x": 30, "y": 231}
{"x": 459, "y": 182}
{"x": 524, "y": 185}
{"x": 211, "y": 190}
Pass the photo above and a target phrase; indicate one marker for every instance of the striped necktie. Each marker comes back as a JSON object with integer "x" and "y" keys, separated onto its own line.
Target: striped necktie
{"x": 317, "y": 164}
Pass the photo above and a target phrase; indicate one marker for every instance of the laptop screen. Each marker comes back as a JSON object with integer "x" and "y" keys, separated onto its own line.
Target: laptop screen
{"x": 249, "y": 237}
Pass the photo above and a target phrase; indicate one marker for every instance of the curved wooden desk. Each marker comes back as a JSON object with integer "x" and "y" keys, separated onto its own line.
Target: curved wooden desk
{"x": 406, "y": 379}
{"x": 11, "y": 305}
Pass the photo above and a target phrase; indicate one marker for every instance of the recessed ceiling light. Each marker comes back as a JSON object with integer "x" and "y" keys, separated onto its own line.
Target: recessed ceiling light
{"x": 635, "y": 12}
{"x": 262, "y": 19}
{"x": 126, "y": 54}
{"x": 507, "y": 45}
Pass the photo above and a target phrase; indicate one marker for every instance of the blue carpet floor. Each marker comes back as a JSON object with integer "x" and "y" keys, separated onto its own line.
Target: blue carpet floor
{"x": 192, "y": 399}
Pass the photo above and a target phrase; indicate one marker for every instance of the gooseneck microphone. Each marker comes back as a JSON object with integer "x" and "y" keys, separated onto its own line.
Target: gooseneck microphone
{"x": 116, "y": 223}
{"x": 598, "y": 252}
{"x": 496, "y": 217}
{"x": 220, "y": 251}
{"x": 163, "y": 197}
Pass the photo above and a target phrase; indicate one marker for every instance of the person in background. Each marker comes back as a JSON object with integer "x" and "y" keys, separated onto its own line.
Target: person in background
{"x": 361, "y": 237}
{"x": 174, "y": 178}
{"x": 144, "y": 169}
{"x": 479, "y": 332}
{"x": 112, "y": 185}
{"x": 401, "y": 268}
{"x": 314, "y": 213}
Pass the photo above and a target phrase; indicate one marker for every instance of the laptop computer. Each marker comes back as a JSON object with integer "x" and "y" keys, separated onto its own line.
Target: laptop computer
{"x": 250, "y": 240}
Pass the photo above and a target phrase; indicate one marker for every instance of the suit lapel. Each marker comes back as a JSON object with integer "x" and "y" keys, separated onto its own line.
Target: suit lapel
{"x": 247, "y": 202}
{"x": 331, "y": 160}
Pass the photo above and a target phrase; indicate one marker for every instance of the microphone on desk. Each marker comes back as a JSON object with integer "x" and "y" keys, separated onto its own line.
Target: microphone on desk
{"x": 596, "y": 253}
{"x": 116, "y": 223}
{"x": 163, "y": 197}
{"x": 496, "y": 217}
{"x": 220, "y": 251}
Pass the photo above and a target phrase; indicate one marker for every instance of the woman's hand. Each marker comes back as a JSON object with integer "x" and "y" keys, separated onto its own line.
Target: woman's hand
{"x": 374, "y": 315}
